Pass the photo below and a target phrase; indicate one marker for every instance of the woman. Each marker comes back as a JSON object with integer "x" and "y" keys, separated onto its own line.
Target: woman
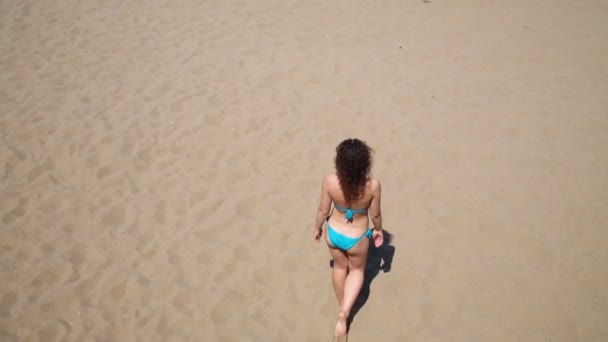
{"x": 354, "y": 195}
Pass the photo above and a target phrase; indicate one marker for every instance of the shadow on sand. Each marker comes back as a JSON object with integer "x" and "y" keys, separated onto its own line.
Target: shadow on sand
{"x": 378, "y": 259}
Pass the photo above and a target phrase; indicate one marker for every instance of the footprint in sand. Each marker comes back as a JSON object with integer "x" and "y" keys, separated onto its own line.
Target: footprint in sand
{"x": 6, "y": 304}
{"x": 115, "y": 216}
{"x": 39, "y": 170}
{"x": 245, "y": 208}
{"x": 16, "y": 212}
{"x": 103, "y": 172}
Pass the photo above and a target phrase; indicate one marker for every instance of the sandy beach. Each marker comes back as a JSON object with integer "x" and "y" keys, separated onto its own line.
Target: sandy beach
{"x": 161, "y": 162}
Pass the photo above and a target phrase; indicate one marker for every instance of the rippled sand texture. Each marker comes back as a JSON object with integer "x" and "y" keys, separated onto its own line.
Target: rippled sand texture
{"x": 161, "y": 163}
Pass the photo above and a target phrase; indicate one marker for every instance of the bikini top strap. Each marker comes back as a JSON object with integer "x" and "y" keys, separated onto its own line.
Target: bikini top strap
{"x": 348, "y": 213}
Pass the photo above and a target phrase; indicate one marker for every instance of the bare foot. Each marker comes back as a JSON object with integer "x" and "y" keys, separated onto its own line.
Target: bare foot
{"x": 341, "y": 324}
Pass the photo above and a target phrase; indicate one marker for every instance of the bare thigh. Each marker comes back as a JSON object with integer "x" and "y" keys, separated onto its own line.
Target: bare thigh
{"x": 339, "y": 256}
{"x": 357, "y": 256}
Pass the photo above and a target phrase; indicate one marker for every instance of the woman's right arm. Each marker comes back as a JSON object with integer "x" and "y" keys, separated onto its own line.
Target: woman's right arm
{"x": 375, "y": 211}
{"x": 323, "y": 211}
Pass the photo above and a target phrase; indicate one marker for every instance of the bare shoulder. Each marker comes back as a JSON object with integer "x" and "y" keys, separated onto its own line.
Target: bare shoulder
{"x": 375, "y": 184}
{"x": 330, "y": 180}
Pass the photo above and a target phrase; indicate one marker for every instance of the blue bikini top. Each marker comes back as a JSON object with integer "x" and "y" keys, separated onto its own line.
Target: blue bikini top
{"x": 348, "y": 212}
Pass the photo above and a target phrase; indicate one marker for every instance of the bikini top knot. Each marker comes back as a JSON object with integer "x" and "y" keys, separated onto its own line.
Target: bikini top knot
{"x": 349, "y": 215}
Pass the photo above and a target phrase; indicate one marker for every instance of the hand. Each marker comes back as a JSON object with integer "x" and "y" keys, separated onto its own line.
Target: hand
{"x": 317, "y": 234}
{"x": 378, "y": 237}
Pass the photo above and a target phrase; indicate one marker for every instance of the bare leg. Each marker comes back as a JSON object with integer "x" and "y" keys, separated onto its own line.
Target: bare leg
{"x": 357, "y": 257}
{"x": 339, "y": 272}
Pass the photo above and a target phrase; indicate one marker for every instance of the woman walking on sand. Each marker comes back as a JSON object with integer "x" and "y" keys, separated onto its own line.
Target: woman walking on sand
{"x": 354, "y": 195}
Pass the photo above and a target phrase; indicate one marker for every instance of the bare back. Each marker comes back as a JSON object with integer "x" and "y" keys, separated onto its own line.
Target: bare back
{"x": 360, "y": 222}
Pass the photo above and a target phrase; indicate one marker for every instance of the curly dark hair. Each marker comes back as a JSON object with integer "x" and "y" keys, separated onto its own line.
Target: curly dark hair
{"x": 353, "y": 165}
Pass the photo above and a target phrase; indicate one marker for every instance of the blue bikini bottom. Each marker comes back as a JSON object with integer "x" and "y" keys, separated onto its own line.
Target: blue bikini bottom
{"x": 344, "y": 242}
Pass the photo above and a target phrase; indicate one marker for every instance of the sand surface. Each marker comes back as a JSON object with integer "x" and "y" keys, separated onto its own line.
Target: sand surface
{"x": 160, "y": 165}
